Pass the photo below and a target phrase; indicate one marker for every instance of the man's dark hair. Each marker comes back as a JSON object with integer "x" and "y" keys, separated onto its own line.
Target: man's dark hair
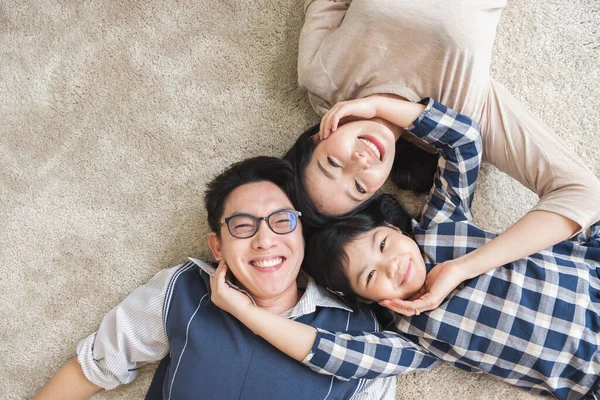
{"x": 325, "y": 256}
{"x": 413, "y": 169}
{"x": 256, "y": 169}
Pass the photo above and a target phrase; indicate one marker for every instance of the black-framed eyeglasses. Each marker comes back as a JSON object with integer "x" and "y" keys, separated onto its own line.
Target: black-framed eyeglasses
{"x": 244, "y": 226}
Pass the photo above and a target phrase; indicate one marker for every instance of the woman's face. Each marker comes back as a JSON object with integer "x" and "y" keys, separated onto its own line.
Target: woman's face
{"x": 350, "y": 165}
{"x": 384, "y": 264}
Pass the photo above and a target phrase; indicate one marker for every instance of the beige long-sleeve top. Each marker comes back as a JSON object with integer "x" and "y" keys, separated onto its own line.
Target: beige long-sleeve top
{"x": 354, "y": 48}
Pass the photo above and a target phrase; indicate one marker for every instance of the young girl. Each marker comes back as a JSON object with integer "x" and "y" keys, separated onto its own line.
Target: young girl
{"x": 535, "y": 322}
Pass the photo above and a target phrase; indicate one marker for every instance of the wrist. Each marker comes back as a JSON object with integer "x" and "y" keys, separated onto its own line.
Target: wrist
{"x": 462, "y": 268}
{"x": 379, "y": 102}
{"x": 243, "y": 311}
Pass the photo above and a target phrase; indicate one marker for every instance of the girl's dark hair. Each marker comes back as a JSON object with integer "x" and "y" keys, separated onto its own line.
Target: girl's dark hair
{"x": 325, "y": 257}
{"x": 413, "y": 169}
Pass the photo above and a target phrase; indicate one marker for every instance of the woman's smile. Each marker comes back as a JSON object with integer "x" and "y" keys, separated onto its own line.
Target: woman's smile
{"x": 374, "y": 147}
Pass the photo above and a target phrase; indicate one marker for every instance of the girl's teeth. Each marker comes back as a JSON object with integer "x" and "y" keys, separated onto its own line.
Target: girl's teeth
{"x": 267, "y": 263}
{"x": 372, "y": 147}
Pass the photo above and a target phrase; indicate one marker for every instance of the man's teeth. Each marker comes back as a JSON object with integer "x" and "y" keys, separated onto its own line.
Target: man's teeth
{"x": 267, "y": 263}
{"x": 372, "y": 147}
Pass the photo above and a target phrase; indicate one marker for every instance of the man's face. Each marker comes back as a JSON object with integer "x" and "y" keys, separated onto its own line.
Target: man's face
{"x": 266, "y": 264}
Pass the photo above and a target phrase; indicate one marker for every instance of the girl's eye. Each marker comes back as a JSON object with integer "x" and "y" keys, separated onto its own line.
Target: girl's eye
{"x": 370, "y": 276}
{"x": 360, "y": 188}
{"x": 382, "y": 245}
{"x": 332, "y": 163}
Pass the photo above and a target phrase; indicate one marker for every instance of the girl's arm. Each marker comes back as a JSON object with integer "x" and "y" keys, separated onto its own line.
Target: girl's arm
{"x": 69, "y": 383}
{"x": 345, "y": 355}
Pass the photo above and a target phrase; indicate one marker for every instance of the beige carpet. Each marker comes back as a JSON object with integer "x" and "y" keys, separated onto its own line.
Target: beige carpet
{"x": 114, "y": 115}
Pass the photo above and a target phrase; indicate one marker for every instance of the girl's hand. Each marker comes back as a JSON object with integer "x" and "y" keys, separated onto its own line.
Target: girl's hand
{"x": 440, "y": 281}
{"x": 224, "y": 295}
{"x": 358, "y": 109}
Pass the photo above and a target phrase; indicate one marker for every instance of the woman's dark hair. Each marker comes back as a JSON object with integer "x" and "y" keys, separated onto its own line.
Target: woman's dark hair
{"x": 325, "y": 255}
{"x": 413, "y": 169}
{"x": 299, "y": 155}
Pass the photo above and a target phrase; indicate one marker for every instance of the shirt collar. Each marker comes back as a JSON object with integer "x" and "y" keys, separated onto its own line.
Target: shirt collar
{"x": 314, "y": 295}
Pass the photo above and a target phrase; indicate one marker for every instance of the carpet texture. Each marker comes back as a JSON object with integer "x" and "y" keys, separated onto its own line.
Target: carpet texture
{"x": 115, "y": 114}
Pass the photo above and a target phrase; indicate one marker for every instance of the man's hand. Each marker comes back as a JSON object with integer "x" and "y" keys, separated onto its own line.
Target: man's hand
{"x": 224, "y": 295}
{"x": 440, "y": 281}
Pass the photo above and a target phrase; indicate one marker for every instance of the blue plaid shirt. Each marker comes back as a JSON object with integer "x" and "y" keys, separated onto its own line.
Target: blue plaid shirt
{"x": 534, "y": 323}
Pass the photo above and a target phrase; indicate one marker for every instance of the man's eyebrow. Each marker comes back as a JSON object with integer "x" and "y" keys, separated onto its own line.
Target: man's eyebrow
{"x": 324, "y": 171}
{"x": 277, "y": 209}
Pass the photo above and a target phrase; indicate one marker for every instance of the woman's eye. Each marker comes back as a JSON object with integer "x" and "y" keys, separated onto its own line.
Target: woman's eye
{"x": 360, "y": 188}
{"x": 370, "y": 276}
{"x": 382, "y": 245}
{"x": 332, "y": 163}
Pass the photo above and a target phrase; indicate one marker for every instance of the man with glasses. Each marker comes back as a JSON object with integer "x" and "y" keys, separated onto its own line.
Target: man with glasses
{"x": 205, "y": 352}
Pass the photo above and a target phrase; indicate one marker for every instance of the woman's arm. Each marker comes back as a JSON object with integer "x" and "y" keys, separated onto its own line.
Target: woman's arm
{"x": 535, "y": 231}
{"x": 532, "y": 233}
{"x": 322, "y": 18}
{"x": 69, "y": 383}
{"x": 345, "y": 355}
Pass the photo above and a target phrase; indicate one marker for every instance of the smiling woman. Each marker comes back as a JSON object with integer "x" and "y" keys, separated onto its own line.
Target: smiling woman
{"x": 349, "y": 167}
{"x": 340, "y": 171}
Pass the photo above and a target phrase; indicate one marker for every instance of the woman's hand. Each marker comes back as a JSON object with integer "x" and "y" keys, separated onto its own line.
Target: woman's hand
{"x": 359, "y": 109}
{"x": 440, "y": 281}
{"x": 391, "y": 108}
{"x": 226, "y": 297}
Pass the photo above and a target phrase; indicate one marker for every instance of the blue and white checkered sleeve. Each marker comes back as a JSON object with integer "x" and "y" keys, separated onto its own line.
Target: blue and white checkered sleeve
{"x": 366, "y": 355}
{"x": 459, "y": 140}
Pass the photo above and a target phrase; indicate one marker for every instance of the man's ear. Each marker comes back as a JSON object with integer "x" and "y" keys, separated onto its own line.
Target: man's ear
{"x": 215, "y": 246}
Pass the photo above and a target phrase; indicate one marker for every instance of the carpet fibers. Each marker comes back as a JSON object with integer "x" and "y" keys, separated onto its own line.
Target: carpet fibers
{"x": 115, "y": 114}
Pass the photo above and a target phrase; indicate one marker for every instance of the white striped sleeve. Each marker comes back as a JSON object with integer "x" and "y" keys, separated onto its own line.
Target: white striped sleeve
{"x": 130, "y": 336}
{"x": 378, "y": 389}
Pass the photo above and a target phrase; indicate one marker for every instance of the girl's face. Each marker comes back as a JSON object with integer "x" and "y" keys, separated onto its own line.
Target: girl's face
{"x": 350, "y": 165}
{"x": 385, "y": 264}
